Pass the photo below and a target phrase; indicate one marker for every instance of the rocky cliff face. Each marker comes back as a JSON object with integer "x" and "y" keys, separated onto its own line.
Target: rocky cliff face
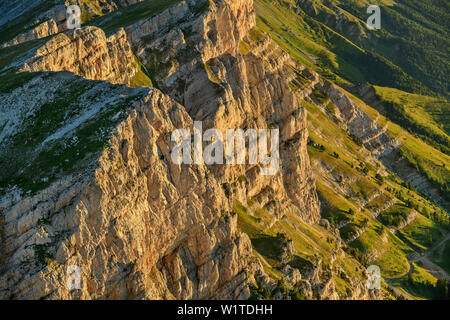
{"x": 86, "y": 52}
{"x": 336, "y": 18}
{"x": 137, "y": 225}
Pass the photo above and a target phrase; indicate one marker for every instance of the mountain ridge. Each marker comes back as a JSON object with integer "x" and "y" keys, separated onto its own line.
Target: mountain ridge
{"x": 100, "y": 192}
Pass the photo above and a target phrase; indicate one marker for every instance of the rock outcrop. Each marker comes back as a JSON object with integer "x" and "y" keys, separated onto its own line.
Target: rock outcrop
{"x": 53, "y": 18}
{"x": 87, "y": 52}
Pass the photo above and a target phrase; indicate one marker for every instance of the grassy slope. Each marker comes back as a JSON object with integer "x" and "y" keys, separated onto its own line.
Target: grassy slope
{"x": 419, "y": 283}
{"x": 392, "y": 254}
{"x": 427, "y": 160}
{"x": 312, "y": 42}
{"x": 307, "y": 240}
{"x": 141, "y": 78}
{"x": 302, "y": 38}
{"x": 422, "y": 232}
{"x": 412, "y": 30}
{"x": 391, "y": 251}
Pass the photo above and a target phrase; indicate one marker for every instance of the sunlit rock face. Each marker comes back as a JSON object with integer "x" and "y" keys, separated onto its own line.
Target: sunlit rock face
{"x": 137, "y": 225}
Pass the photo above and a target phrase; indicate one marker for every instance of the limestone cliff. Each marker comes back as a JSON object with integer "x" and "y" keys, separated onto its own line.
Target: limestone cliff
{"x": 136, "y": 224}
{"x": 100, "y": 191}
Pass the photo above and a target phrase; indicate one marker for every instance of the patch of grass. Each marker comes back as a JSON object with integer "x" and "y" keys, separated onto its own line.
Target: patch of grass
{"x": 321, "y": 96}
{"x": 239, "y": 208}
{"x": 260, "y": 292}
{"x": 337, "y": 208}
{"x": 244, "y": 47}
{"x": 95, "y": 6}
{"x": 379, "y": 201}
{"x": 348, "y": 231}
{"x": 263, "y": 242}
{"x": 250, "y": 202}
{"x": 132, "y": 14}
{"x": 269, "y": 247}
{"x": 331, "y": 108}
{"x": 363, "y": 188}
{"x": 211, "y": 75}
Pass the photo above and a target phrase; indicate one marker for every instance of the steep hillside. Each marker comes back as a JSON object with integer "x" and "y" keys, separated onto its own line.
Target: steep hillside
{"x": 86, "y": 171}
